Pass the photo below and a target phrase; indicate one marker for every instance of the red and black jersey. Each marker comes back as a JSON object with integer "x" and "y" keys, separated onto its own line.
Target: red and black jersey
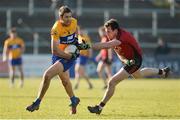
{"x": 129, "y": 47}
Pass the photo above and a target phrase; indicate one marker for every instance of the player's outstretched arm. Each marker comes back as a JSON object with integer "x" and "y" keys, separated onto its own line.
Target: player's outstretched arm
{"x": 106, "y": 45}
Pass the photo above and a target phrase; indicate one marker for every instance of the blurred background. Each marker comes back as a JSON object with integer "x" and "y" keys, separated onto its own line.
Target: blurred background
{"x": 154, "y": 23}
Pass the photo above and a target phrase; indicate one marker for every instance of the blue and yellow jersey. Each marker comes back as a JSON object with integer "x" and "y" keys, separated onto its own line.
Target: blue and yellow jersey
{"x": 64, "y": 34}
{"x": 87, "y": 40}
{"x": 14, "y": 47}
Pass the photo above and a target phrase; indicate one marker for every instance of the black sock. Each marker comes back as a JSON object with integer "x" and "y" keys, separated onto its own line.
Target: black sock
{"x": 102, "y": 104}
{"x": 160, "y": 72}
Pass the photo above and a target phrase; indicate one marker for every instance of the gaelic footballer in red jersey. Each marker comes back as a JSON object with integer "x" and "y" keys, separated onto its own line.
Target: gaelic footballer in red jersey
{"x": 130, "y": 50}
{"x": 130, "y": 53}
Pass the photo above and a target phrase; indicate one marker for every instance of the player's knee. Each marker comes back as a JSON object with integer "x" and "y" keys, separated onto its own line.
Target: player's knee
{"x": 136, "y": 76}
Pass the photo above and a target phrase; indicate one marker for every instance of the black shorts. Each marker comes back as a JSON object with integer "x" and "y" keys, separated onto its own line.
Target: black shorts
{"x": 133, "y": 68}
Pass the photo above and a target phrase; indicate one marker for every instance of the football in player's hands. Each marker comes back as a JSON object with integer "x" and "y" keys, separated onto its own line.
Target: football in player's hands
{"x": 72, "y": 49}
{"x": 75, "y": 55}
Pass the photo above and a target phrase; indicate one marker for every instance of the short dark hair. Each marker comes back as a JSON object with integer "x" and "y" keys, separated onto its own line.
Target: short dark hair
{"x": 112, "y": 23}
{"x": 64, "y": 9}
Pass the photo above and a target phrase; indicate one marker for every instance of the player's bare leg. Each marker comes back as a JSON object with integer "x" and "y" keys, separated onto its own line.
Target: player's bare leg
{"x": 145, "y": 72}
{"x": 21, "y": 76}
{"x": 99, "y": 71}
{"x": 66, "y": 83}
{"x": 108, "y": 71}
{"x": 53, "y": 70}
{"x": 119, "y": 76}
{"x": 68, "y": 87}
{"x": 12, "y": 75}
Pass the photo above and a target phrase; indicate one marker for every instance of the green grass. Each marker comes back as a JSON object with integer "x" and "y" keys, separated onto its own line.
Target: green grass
{"x": 146, "y": 98}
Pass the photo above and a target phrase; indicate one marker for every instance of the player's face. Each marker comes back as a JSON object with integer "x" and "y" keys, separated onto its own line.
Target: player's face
{"x": 66, "y": 18}
{"x": 111, "y": 34}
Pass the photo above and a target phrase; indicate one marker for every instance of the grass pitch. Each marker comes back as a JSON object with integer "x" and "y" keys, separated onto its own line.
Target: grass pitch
{"x": 133, "y": 99}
